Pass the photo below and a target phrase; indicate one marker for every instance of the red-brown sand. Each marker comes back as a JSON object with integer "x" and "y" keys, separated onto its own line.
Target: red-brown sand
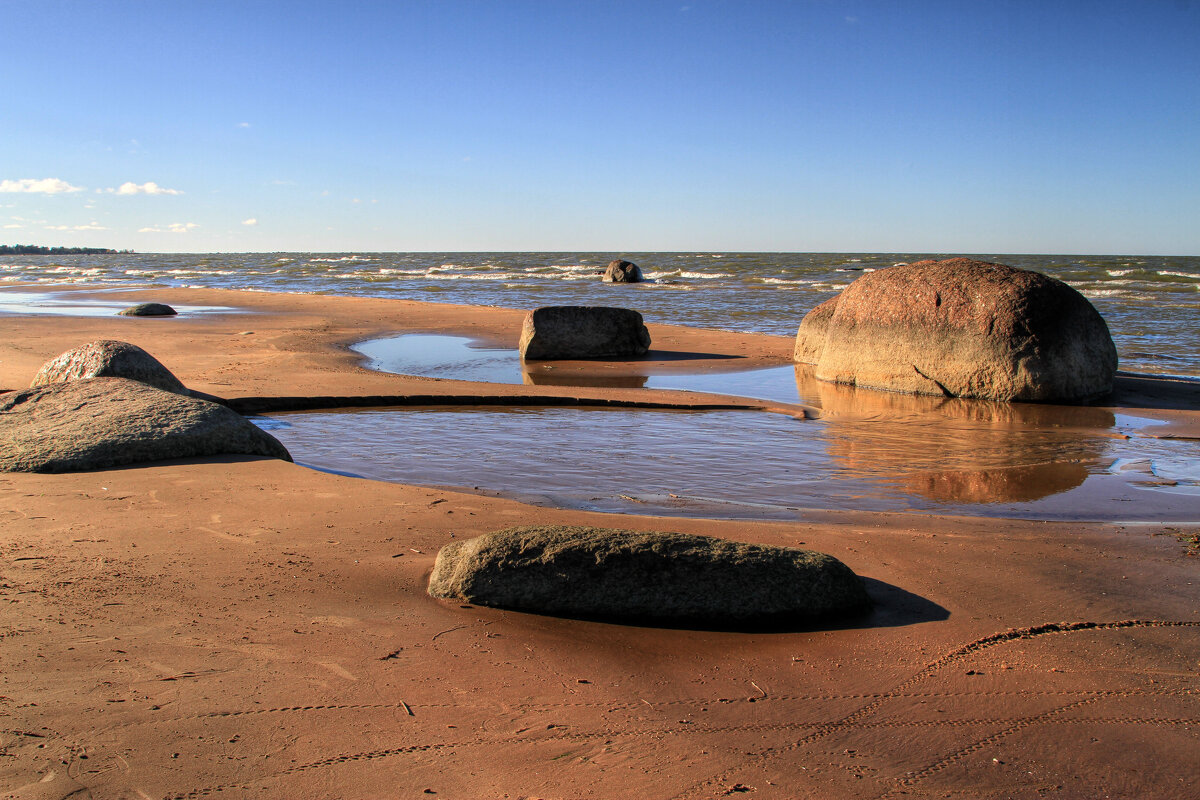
{"x": 244, "y": 627}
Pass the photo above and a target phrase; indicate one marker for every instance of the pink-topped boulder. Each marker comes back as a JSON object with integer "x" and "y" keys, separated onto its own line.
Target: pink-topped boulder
{"x": 961, "y": 328}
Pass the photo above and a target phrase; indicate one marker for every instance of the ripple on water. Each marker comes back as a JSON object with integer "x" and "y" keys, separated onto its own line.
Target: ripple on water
{"x": 747, "y": 464}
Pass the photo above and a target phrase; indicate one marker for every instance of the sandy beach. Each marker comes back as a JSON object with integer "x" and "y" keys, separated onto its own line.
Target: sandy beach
{"x": 242, "y": 627}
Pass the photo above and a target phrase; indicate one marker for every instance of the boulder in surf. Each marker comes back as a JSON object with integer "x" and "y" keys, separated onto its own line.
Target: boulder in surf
{"x": 961, "y": 328}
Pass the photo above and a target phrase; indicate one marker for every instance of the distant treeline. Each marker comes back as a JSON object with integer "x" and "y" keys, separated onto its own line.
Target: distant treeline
{"x": 34, "y": 250}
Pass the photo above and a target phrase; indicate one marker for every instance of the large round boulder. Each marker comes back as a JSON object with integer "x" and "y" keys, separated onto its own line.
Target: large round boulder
{"x": 96, "y": 423}
{"x": 961, "y": 328}
{"x": 567, "y": 332}
{"x": 620, "y": 271}
{"x": 107, "y": 358}
{"x": 666, "y": 577}
{"x": 148, "y": 310}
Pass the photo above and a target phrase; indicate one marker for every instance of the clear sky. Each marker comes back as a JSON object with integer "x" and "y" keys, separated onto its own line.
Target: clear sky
{"x": 818, "y": 125}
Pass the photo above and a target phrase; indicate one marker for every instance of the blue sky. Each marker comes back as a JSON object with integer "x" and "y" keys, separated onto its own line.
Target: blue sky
{"x": 903, "y": 126}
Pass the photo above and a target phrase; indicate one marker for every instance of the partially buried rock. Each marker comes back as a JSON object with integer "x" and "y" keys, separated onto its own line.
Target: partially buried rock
{"x": 623, "y": 272}
{"x": 564, "y": 332}
{"x": 961, "y": 328}
{"x": 667, "y": 577}
{"x": 96, "y": 423}
{"x": 106, "y": 358}
{"x": 148, "y": 310}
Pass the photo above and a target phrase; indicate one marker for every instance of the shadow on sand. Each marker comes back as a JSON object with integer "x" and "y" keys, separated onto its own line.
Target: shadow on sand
{"x": 893, "y": 607}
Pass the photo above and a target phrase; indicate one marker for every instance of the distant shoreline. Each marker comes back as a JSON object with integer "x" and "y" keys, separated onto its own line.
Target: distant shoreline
{"x": 36, "y": 250}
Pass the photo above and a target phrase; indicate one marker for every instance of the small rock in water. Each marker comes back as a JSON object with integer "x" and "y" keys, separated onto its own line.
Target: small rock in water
{"x": 620, "y": 271}
{"x": 148, "y": 310}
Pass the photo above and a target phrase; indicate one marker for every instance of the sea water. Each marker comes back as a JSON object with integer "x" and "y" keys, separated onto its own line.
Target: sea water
{"x": 1151, "y": 303}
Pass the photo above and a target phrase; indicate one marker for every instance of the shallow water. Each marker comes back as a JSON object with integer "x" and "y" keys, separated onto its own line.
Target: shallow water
{"x": 747, "y": 464}
{"x": 873, "y": 451}
{"x": 461, "y": 358}
{"x": 1151, "y": 303}
{"x": 55, "y": 303}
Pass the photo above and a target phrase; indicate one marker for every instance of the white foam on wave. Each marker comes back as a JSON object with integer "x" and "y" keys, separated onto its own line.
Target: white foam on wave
{"x": 1168, "y": 273}
{"x": 433, "y": 275}
{"x": 789, "y": 281}
{"x": 1117, "y": 273}
{"x": 1090, "y": 293}
{"x": 684, "y": 273}
{"x": 668, "y": 284}
{"x": 341, "y": 260}
{"x": 82, "y": 271}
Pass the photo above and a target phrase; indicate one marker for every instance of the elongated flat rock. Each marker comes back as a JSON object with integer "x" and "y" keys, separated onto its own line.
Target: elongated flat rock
{"x": 95, "y": 423}
{"x": 604, "y": 572}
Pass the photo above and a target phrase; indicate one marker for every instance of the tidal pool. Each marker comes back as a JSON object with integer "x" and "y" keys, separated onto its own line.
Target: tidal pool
{"x": 751, "y": 464}
{"x": 870, "y": 451}
{"x": 461, "y": 358}
{"x": 68, "y": 304}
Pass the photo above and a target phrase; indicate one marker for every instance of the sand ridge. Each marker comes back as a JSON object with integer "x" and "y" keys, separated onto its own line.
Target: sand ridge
{"x": 250, "y": 628}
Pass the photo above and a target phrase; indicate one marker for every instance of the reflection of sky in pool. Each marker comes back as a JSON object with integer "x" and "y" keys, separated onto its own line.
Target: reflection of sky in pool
{"x": 746, "y": 464}
{"x": 870, "y": 451}
{"x": 64, "y": 305}
{"x": 457, "y": 357}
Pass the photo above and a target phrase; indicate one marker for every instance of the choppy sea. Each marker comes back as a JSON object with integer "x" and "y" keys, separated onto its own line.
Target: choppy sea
{"x": 1151, "y": 303}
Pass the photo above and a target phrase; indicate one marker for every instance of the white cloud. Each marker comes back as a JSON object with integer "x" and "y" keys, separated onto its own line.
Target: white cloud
{"x": 149, "y": 187}
{"x": 91, "y": 226}
{"x": 243, "y": 124}
{"x": 251, "y": 221}
{"x": 42, "y": 186}
{"x": 14, "y": 225}
{"x": 174, "y": 227}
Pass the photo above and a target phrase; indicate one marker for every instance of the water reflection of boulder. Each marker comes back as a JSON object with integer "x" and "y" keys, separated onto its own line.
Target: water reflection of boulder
{"x": 953, "y": 450}
{"x": 572, "y": 378}
{"x": 1002, "y": 485}
{"x": 842, "y": 401}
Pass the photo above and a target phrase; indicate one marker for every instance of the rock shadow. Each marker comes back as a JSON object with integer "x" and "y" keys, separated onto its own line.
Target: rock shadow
{"x": 893, "y": 608}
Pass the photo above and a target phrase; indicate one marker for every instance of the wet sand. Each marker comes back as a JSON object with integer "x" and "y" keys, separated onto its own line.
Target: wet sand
{"x": 252, "y": 628}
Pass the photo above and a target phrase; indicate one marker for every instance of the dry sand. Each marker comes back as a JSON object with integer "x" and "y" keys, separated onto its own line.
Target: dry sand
{"x": 251, "y": 628}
